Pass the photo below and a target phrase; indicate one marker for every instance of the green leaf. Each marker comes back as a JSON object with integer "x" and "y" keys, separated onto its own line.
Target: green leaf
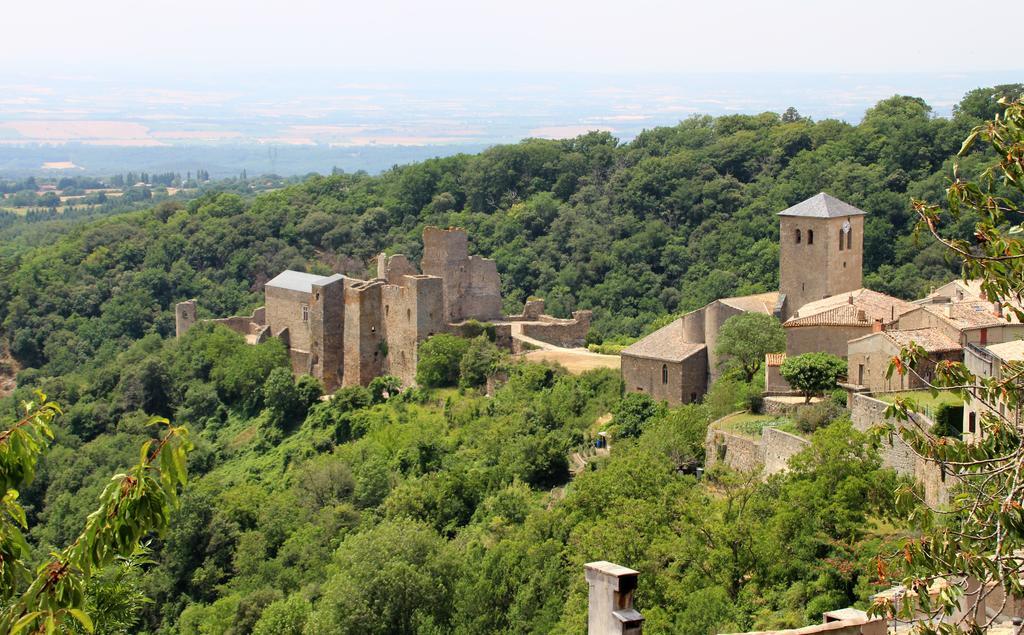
{"x": 24, "y": 621}
{"x": 83, "y": 618}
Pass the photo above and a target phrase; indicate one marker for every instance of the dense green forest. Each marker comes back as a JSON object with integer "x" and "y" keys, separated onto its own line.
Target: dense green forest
{"x": 441, "y": 510}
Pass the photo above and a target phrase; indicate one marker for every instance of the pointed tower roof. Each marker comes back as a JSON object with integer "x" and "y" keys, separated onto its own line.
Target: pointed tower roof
{"x": 822, "y": 206}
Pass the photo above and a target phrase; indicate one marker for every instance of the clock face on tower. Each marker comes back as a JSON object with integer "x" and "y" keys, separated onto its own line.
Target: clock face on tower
{"x": 846, "y": 227}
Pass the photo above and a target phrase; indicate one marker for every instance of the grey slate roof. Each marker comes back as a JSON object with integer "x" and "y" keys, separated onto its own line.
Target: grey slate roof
{"x": 666, "y": 344}
{"x": 822, "y": 206}
{"x": 296, "y": 281}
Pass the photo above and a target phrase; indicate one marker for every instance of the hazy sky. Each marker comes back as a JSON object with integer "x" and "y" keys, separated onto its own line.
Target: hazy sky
{"x": 193, "y": 36}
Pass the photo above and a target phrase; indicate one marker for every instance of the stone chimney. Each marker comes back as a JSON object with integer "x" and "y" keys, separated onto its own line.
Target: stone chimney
{"x": 610, "y": 606}
{"x": 948, "y": 310}
{"x": 849, "y": 299}
{"x": 997, "y": 309}
{"x": 877, "y": 326}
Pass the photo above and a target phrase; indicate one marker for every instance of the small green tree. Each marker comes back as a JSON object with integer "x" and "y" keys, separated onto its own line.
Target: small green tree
{"x": 633, "y": 412}
{"x": 746, "y": 338}
{"x": 813, "y": 373}
{"x": 439, "y": 359}
{"x": 479, "y": 361}
{"x": 281, "y": 398}
{"x": 384, "y": 387}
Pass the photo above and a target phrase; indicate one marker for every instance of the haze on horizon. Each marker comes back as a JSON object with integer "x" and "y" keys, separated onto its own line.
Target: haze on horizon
{"x": 196, "y": 37}
{"x": 309, "y": 84}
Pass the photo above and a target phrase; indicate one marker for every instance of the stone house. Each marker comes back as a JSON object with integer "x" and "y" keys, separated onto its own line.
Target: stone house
{"x": 869, "y": 356}
{"x": 989, "y": 362}
{"x": 827, "y": 325}
{"x": 978, "y": 322}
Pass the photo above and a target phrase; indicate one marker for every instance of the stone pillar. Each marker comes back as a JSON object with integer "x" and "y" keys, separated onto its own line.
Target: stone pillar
{"x": 184, "y": 317}
{"x": 610, "y": 606}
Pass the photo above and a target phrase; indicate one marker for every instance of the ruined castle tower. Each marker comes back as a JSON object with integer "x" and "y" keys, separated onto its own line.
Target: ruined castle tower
{"x": 821, "y": 250}
{"x": 184, "y": 317}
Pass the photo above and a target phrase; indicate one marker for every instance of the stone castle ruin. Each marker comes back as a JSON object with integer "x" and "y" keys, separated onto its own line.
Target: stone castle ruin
{"x": 346, "y": 331}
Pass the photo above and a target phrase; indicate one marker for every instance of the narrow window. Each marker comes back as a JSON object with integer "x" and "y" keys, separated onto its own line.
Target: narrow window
{"x": 798, "y": 236}
{"x": 408, "y": 315}
{"x": 664, "y": 373}
{"x": 305, "y": 313}
{"x": 841, "y": 237}
{"x": 972, "y": 424}
{"x": 849, "y": 239}
{"x": 810, "y": 236}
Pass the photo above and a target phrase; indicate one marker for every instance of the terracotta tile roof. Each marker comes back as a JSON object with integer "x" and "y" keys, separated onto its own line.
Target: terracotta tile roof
{"x": 757, "y": 303}
{"x": 666, "y": 344}
{"x": 856, "y": 308}
{"x": 1008, "y": 351}
{"x": 931, "y": 340}
{"x": 822, "y": 206}
{"x": 774, "y": 359}
{"x": 972, "y": 314}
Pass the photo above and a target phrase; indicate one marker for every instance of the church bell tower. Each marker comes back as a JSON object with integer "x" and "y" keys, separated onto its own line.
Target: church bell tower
{"x": 821, "y": 251}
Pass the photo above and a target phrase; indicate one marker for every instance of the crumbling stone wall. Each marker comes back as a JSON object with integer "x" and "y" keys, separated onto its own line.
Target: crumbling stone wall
{"x": 413, "y": 312}
{"x": 560, "y": 332}
{"x": 365, "y": 345}
{"x": 184, "y": 317}
{"x": 472, "y": 287}
{"x": 327, "y": 329}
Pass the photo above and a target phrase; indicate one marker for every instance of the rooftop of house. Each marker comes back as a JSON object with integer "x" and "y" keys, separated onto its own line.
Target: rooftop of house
{"x": 855, "y": 308}
{"x": 971, "y": 314}
{"x": 666, "y": 344}
{"x": 299, "y": 281}
{"x": 931, "y": 340}
{"x": 757, "y": 303}
{"x": 1008, "y": 351}
{"x": 822, "y": 206}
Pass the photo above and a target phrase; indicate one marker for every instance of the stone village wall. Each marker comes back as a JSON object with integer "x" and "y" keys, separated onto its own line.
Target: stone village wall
{"x": 768, "y": 455}
{"x": 866, "y": 412}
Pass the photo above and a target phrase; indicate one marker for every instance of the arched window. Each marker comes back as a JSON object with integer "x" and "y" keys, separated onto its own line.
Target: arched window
{"x": 664, "y": 373}
{"x": 798, "y": 236}
{"x": 810, "y": 236}
{"x": 842, "y": 238}
{"x": 849, "y": 239}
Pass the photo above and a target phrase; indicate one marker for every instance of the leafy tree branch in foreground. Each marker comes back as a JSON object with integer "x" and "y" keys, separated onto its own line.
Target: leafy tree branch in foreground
{"x": 973, "y": 546}
{"x": 132, "y": 505}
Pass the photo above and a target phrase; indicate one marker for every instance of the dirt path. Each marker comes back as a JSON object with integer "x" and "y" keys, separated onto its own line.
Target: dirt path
{"x": 575, "y": 360}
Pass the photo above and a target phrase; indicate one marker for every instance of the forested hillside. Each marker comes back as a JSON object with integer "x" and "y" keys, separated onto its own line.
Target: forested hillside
{"x": 440, "y": 510}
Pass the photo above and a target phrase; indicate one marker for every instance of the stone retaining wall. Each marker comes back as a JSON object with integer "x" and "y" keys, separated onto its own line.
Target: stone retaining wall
{"x": 778, "y": 447}
{"x": 866, "y": 412}
{"x": 768, "y": 455}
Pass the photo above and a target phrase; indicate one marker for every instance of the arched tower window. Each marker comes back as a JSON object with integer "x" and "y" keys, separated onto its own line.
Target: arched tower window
{"x": 810, "y": 236}
{"x": 798, "y": 236}
{"x": 849, "y": 239}
{"x": 664, "y": 373}
{"x": 842, "y": 238}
